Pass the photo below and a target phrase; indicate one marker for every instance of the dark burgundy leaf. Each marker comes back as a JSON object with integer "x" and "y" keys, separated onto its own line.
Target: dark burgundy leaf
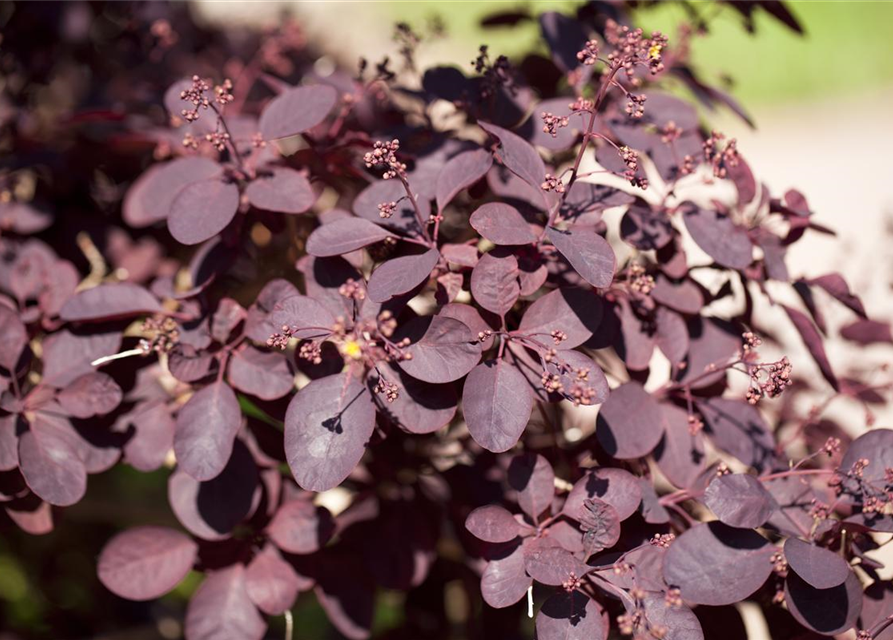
{"x": 740, "y": 500}
{"x": 653, "y": 512}
{"x": 327, "y": 425}
{"x": 221, "y": 609}
{"x": 616, "y": 487}
{"x": 347, "y": 599}
{"x": 188, "y": 364}
{"x": 284, "y": 191}
{"x": 212, "y": 509}
{"x": 814, "y": 343}
{"x": 630, "y": 422}
{"x": 713, "y": 344}
{"x": 680, "y": 622}
{"x": 228, "y": 316}
{"x": 671, "y": 335}
{"x": 401, "y": 275}
{"x": 420, "y": 407}
{"x": 645, "y": 229}
{"x": 588, "y": 253}
{"x": 836, "y": 286}
{"x": 565, "y": 37}
{"x": 50, "y": 462}
{"x": 532, "y": 477}
{"x": 680, "y": 455}
{"x": 820, "y": 568}
{"x": 301, "y": 527}
{"x": 258, "y": 324}
{"x": 739, "y": 429}
{"x": 206, "y": 429}
{"x": 13, "y": 338}
{"x": 574, "y": 312}
{"x": 271, "y": 582}
{"x": 90, "y": 395}
{"x": 876, "y": 446}
{"x": 459, "y": 173}
{"x": 501, "y": 223}
{"x": 202, "y": 209}
{"x": 719, "y": 237}
{"x": 146, "y": 562}
{"x": 635, "y": 341}
{"x": 570, "y": 616}
{"x": 683, "y": 296}
{"x": 404, "y": 217}
{"x": 296, "y": 110}
{"x": 492, "y": 523}
{"x": 496, "y": 402}
{"x": 517, "y": 154}
{"x": 109, "y": 301}
{"x": 600, "y": 524}
{"x": 825, "y": 611}
{"x": 149, "y": 199}
{"x": 343, "y": 236}
{"x": 867, "y": 332}
{"x": 261, "y": 373}
{"x": 471, "y": 317}
{"x": 306, "y": 317}
{"x": 446, "y": 352}
{"x": 153, "y": 436}
{"x": 715, "y": 564}
{"x": 552, "y": 565}
{"x": 494, "y": 282}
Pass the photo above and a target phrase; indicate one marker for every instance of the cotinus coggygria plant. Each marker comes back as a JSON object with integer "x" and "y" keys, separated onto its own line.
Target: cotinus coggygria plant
{"x": 508, "y": 336}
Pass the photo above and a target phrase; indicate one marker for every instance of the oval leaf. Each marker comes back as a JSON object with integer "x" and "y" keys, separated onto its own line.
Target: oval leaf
{"x": 740, "y": 500}
{"x": 719, "y": 237}
{"x": 819, "y": 567}
{"x": 494, "y": 283}
{"x": 146, "y": 562}
{"x": 301, "y": 527}
{"x": 401, "y": 275}
{"x": 296, "y": 110}
{"x": 492, "y": 523}
{"x": 220, "y": 609}
{"x": 532, "y": 477}
{"x": 497, "y": 403}
{"x": 202, "y": 209}
{"x": 110, "y": 301}
{"x": 327, "y": 425}
{"x": 263, "y": 374}
{"x": 459, "y": 173}
{"x": 206, "y": 429}
{"x": 501, "y": 223}
{"x": 575, "y": 312}
{"x": 446, "y": 352}
{"x": 826, "y": 611}
{"x": 570, "y": 616}
{"x": 343, "y": 236}
{"x": 149, "y": 199}
{"x": 630, "y": 422}
{"x": 284, "y": 190}
{"x": 588, "y": 253}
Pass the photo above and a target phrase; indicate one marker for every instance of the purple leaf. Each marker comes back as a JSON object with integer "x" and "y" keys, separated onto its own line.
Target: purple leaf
{"x": 327, "y": 425}
{"x": 347, "y": 599}
{"x": 819, "y": 567}
{"x": 300, "y": 527}
{"x": 228, "y": 316}
{"x": 404, "y": 217}
{"x": 343, "y": 236}
{"x": 616, "y": 487}
{"x": 570, "y": 616}
{"x": 401, "y": 275}
{"x": 814, "y": 343}
{"x": 221, "y": 609}
{"x": 679, "y": 455}
{"x": 588, "y": 253}
{"x": 517, "y": 154}
{"x": 296, "y": 110}
{"x": 258, "y": 324}
{"x": 285, "y": 191}
{"x": 553, "y": 565}
{"x": 146, "y": 562}
{"x": 13, "y": 338}
{"x": 680, "y": 622}
{"x": 153, "y": 436}
{"x": 836, "y": 286}
{"x": 866, "y": 332}
{"x": 461, "y": 172}
{"x": 683, "y": 296}
{"x": 740, "y": 500}
{"x": 826, "y": 611}
{"x": 739, "y": 429}
{"x": 671, "y": 335}
{"x": 583, "y": 381}
{"x": 712, "y": 345}
{"x": 446, "y": 352}
{"x": 565, "y": 37}
{"x": 492, "y": 523}
{"x": 532, "y": 477}
{"x": 635, "y": 342}
{"x": 501, "y": 223}
{"x": 715, "y": 564}
{"x": 90, "y": 395}
{"x": 646, "y": 229}
{"x": 30, "y": 514}
{"x": 149, "y": 199}
{"x": 206, "y": 429}
{"x": 420, "y": 407}
{"x": 574, "y": 312}
{"x": 494, "y": 282}
{"x": 189, "y": 364}
{"x": 630, "y": 422}
{"x": 212, "y": 509}
{"x": 49, "y": 461}
{"x": 271, "y": 583}
{"x": 307, "y": 318}
{"x": 263, "y": 374}
{"x": 497, "y": 403}
{"x": 600, "y": 524}
{"x": 110, "y": 301}
{"x": 719, "y": 237}
{"x": 202, "y": 209}
{"x": 653, "y": 512}
{"x": 505, "y": 580}
{"x": 9, "y": 441}
{"x": 876, "y": 446}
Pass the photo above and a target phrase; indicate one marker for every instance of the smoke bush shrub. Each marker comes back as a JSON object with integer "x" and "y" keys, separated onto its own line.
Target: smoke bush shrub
{"x": 367, "y": 339}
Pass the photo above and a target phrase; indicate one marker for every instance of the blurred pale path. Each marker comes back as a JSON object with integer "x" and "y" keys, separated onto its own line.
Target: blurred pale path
{"x": 821, "y": 104}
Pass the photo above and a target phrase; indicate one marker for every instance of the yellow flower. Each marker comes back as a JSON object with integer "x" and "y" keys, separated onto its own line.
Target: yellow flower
{"x": 654, "y": 51}
{"x": 352, "y": 349}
